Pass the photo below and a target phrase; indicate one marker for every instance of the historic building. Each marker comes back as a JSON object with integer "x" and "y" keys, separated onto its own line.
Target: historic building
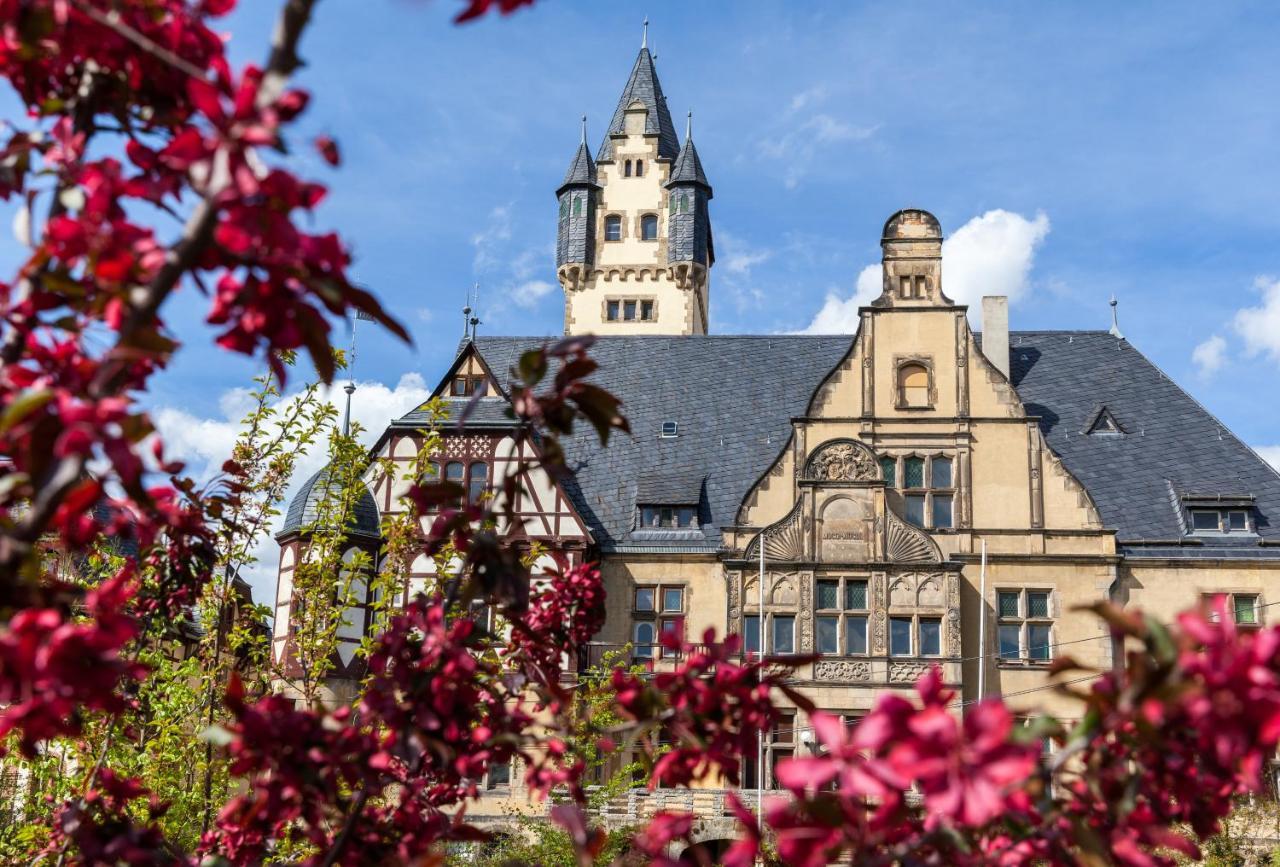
{"x": 913, "y": 493}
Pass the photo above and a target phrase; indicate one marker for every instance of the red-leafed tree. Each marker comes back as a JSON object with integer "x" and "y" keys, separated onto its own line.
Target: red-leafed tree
{"x": 146, "y": 167}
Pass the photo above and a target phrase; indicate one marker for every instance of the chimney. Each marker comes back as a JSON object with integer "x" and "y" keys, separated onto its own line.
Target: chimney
{"x": 995, "y": 331}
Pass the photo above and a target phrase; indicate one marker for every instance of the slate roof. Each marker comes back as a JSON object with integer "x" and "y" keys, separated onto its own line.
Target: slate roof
{"x": 303, "y": 509}
{"x": 582, "y": 170}
{"x": 643, "y": 86}
{"x": 1171, "y": 445}
{"x": 688, "y": 168}
{"x": 733, "y": 399}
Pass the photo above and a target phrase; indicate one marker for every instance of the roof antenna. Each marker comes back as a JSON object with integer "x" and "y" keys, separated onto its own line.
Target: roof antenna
{"x": 1115, "y": 320}
{"x": 644, "y": 41}
{"x": 350, "y": 387}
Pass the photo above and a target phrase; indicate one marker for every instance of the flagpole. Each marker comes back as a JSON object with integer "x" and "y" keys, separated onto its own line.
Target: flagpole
{"x": 760, "y": 649}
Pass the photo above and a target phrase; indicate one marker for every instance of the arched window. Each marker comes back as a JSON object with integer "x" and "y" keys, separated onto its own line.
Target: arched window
{"x": 564, "y": 208}
{"x": 477, "y": 481}
{"x": 613, "y": 228}
{"x": 672, "y": 205}
{"x": 645, "y": 635}
{"x": 913, "y": 385}
{"x": 577, "y": 206}
{"x": 453, "y": 472}
{"x": 626, "y": 169}
{"x": 639, "y": 168}
{"x": 684, "y": 203}
{"x": 649, "y": 227}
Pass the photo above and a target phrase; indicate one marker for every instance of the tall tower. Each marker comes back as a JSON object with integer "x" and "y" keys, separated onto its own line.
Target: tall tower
{"x": 633, "y": 247}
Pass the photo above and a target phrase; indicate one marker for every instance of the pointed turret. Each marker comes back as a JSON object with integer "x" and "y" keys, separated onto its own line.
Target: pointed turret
{"x": 575, "y": 233}
{"x": 689, "y": 248}
{"x": 642, "y": 95}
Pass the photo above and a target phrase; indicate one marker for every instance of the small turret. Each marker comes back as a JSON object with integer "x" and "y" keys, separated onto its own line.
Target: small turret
{"x": 690, "y": 251}
{"x": 575, "y": 234}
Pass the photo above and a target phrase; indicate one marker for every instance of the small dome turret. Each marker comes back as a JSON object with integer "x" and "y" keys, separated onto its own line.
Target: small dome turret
{"x": 305, "y": 507}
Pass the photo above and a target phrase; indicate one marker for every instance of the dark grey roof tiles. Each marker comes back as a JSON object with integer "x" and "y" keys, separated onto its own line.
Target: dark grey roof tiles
{"x": 733, "y": 398}
{"x": 1170, "y": 446}
{"x": 582, "y": 171}
{"x": 669, "y": 489}
{"x": 487, "y": 412}
{"x": 643, "y": 86}
{"x": 688, "y": 168}
{"x": 304, "y": 508}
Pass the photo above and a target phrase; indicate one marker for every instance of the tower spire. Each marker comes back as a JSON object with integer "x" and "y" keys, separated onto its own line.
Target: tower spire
{"x": 644, "y": 40}
{"x": 584, "y": 129}
{"x": 1115, "y": 319}
{"x": 688, "y": 127}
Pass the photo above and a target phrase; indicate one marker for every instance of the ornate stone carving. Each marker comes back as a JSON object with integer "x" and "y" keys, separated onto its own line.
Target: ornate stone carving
{"x": 907, "y": 672}
{"x": 842, "y": 461}
{"x": 784, "y": 539}
{"x": 929, "y": 592}
{"x": 880, "y": 627}
{"x": 806, "y": 613}
{"x": 843, "y": 670}
{"x": 907, "y": 544}
{"x": 734, "y": 588}
{"x": 902, "y": 593}
{"x": 953, "y": 614}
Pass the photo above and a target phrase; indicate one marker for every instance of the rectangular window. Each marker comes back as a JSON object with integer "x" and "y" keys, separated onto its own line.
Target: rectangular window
{"x": 900, "y": 636}
{"x": 1204, "y": 521}
{"x": 941, "y": 511}
{"x": 1246, "y": 609}
{"x": 1025, "y": 625}
{"x": 855, "y": 634}
{"x": 644, "y": 598}
{"x": 889, "y": 468}
{"x": 499, "y": 776}
{"x": 784, "y": 634}
{"x": 611, "y": 310}
{"x": 646, "y": 311}
{"x": 913, "y": 473}
{"x": 673, "y": 599}
{"x": 1237, "y": 522}
{"x": 941, "y": 473}
{"x": 751, "y": 633}
{"x": 828, "y": 635}
{"x": 855, "y": 595}
{"x": 930, "y": 636}
{"x": 828, "y": 595}
{"x": 914, "y": 511}
{"x": 629, "y": 311}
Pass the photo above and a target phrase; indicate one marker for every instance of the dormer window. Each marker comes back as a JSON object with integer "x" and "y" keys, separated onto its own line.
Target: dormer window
{"x": 613, "y": 228}
{"x": 657, "y": 517}
{"x": 469, "y": 385}
{"x": 1219, "y": 521}
{"x": 649, "y": 227}
{"x": 1219, "y": 514}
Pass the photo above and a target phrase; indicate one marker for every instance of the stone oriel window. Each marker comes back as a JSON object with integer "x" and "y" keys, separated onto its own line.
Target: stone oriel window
{"x": 841, "y": 615}
{"x": 613, "y": 228}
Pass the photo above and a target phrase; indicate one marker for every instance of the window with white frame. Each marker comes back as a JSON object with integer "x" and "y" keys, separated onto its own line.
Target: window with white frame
{"x": 1024, "y": 625}
{"x": 841, "y": 616}
{"x": 1243, "y": 608}
{"x": 1219, "y": 521}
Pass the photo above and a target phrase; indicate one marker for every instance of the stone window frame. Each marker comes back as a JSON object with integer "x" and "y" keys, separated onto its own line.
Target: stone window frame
{"x": 953, "y": 491}
{"x": 604, "y": 227}
{"x": 659, "y": 616}
{"x": 899, "y": 399}
{"x": 1022, "y": 620}
{"x": 915, "y": 612}
{"x": 639, "y": 226}
{"x": 1207, "y": 595}
{"x": 843, "y": 613}
{"x": 782, "y": 741}
{"x": 622, "y": 299}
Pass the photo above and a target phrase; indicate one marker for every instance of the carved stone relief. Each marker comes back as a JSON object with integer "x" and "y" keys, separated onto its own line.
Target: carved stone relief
{"x": 783, "y": 540}
{"x": 929, "y": 595}
{"x": 734, "y": 588}
{"x": 843, "y": 670}
{"x": 783, "y": 591}
{"x": 953, "y": 614}
{"x": 902, "y": 593}
{"x": 880, "y": 628}
{"x": 843, "y": 461}
{"x": 806, "y": 613}
{"x": 907, "y": 672}
{"x": 907, "y": 544}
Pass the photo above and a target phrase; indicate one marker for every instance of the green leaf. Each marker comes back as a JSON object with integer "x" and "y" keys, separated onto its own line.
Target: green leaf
{"x": 24, "y": 405}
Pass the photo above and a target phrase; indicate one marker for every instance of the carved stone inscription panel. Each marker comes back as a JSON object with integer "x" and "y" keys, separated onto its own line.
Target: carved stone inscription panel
{"x": 847, "y": 529}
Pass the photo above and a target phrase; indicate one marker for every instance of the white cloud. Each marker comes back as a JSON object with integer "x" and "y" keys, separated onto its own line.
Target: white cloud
{"x": 736, "y": 255}
{"x": 1210, "y": 356}
{"x": 840, "y": 315}
{"x": 494, "y": 235}
{"x": 1260, "y": 326}
{"x": 990, "y": 255}
{"x": 529, "y": 293}
{"x": 205, "y": 443}
{"x": 1270, "y": 454}
{"x": 800, "y": 141}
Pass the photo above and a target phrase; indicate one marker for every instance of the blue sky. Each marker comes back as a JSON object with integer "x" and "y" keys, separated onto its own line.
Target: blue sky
{"x": 1125, "y": 149}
